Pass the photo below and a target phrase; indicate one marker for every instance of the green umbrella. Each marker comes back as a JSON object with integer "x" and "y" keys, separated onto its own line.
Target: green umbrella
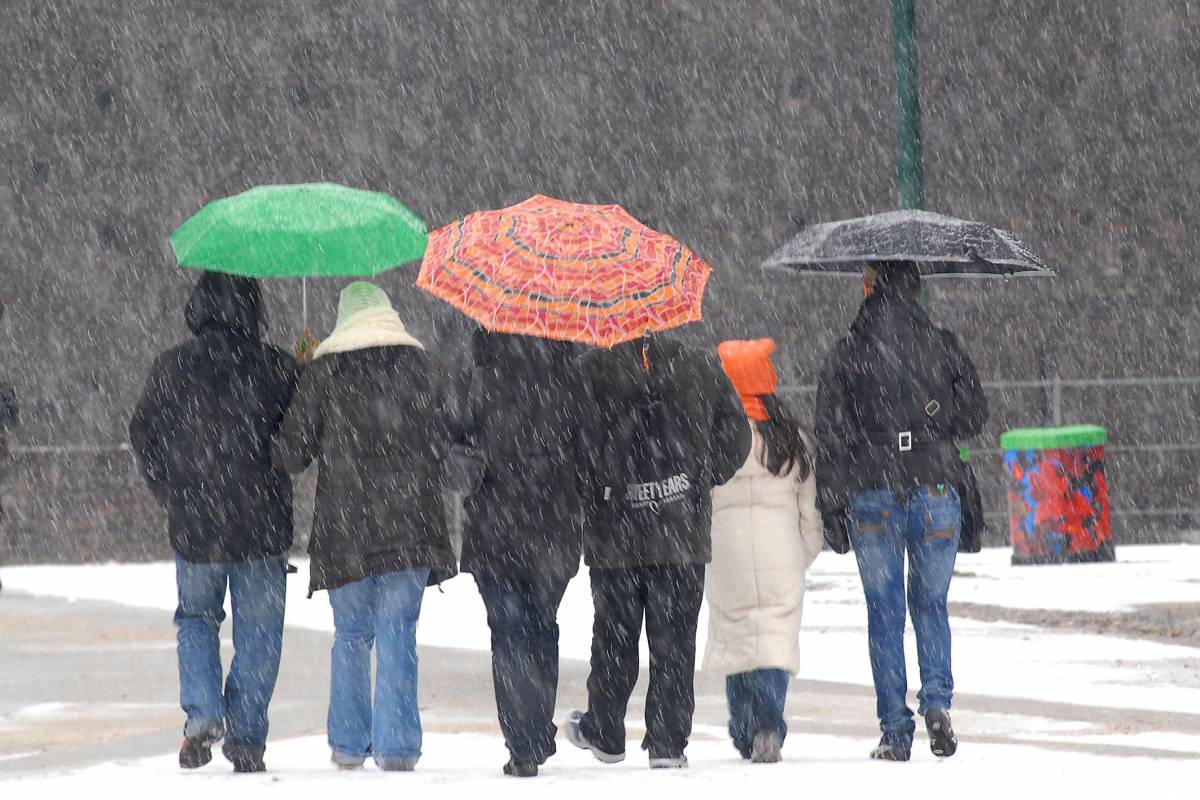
{"x": 301, "y": 230}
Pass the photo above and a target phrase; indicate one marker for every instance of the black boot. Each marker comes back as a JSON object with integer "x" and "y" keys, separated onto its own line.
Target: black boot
{"x": 245, "y": 759}
{"x": 521, "y": 769}
{"x": 890, "y": 749}
{"x": 941, "y": 733}
{"x": 248, "y": 762}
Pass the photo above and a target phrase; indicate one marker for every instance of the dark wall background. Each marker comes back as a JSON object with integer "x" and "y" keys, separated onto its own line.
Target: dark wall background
{"x": 725, "y": 124}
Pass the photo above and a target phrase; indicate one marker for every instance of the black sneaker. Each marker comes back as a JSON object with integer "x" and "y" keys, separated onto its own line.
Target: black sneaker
{"x": 521, "y": 769}
{"x": 888, "y": 750}
{"x": 196, "y": 751}
{"x": 941, "y": 733}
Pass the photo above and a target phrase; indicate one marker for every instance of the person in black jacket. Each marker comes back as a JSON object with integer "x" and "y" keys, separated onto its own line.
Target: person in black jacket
{"x": 9, "y": 418}
{"x": 202, "y": 432}
{"x": 895, "y": 398}
{"x": 522, "y": 534}
{"x": 371, "y": 410}
{"x": 668, "y": 426}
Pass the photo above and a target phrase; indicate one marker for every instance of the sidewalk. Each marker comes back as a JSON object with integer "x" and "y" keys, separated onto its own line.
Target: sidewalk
{"x": 89, "y": 682}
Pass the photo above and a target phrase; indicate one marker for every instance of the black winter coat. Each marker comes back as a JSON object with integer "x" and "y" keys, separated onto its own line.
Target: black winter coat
{"x": 202, "y": 430}
{"x": 375, "y": 420}
{"x": 894, "y": 376}
{"x": 9, "y": 418}
{"x": 522, "y": 401}
{"x": 10, "y": 415}
{"x": 705, "y": 424}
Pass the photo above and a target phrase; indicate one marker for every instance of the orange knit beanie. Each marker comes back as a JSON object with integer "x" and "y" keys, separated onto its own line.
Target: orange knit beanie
{"x": 748, "y": 364}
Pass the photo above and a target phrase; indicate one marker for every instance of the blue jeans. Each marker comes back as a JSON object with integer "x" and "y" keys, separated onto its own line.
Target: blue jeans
{"x": 380, "y": 610}
{"x": 756, "y": 700}
{"x": 927, "y": 523}
{"x": 257, "y": 590}
{"x": 522, "y": 614}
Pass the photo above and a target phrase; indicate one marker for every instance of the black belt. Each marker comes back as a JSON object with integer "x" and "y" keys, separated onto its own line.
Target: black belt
{"x": 904, "y": 441}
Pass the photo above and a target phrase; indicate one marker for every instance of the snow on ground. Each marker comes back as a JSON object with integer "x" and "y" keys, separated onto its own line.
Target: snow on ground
{"x": 991, "y": 658}
{"x": 464, "y": 765}
{"x": 999, "y": 662}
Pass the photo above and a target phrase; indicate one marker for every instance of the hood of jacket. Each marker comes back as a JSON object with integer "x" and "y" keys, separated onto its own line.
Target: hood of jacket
{"x": 635, "y": 371}
{"x": 228, "y": 303}
{"x": 889, "y": 311}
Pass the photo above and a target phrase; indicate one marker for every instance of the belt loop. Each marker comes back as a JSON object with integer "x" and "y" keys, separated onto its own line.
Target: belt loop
{"x": 904, "y": 441}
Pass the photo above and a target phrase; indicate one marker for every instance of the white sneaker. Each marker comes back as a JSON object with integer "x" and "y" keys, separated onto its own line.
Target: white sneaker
{"x": 575, "y": 736}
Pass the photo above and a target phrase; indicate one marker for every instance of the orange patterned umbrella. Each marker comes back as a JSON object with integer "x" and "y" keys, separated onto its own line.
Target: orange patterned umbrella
{"x": 559, "y": 270}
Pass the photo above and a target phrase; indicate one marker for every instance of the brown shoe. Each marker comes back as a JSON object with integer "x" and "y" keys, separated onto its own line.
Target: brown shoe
{"x": 196, "y": 751}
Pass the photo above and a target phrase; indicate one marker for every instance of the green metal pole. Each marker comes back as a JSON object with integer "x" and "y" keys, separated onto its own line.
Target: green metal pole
{"x": 909, "y": 164}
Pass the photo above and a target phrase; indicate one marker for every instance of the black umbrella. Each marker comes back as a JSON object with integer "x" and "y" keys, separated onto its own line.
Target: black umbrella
{"x": 940, "y": 245}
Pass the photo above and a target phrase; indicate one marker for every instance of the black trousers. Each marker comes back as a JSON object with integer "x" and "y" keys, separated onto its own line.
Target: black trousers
{"x": 522, "y": 613}
{"x": 669, "y": 597}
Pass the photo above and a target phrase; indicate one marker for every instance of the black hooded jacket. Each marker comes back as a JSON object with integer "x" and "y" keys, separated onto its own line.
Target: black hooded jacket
{"x": 202, "y": 429}
{"x": 703, "y": 428}
{"x": 895, "y": 380}
{"x": 9, "y": 418}
{"x": 523, "y": 405}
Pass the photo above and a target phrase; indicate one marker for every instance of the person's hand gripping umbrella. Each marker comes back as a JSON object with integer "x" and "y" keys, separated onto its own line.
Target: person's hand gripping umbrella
{"x": 300, "y": 231}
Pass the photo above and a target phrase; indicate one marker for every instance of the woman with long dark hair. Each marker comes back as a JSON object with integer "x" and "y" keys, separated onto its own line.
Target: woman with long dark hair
{"x": 766, "y": 532}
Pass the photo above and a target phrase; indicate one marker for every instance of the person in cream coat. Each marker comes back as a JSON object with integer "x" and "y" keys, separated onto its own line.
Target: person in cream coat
{"x": 766, "y": 532}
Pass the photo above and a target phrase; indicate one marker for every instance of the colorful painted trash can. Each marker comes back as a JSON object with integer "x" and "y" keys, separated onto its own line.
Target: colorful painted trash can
{"x": 1058, "y": 499}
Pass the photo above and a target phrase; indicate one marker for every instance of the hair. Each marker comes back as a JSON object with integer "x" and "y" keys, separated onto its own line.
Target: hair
{"x": 898, "y": 277}
{"x": 783, "y": 442}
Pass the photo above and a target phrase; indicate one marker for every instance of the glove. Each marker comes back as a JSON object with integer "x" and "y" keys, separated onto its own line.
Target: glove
{"x": 836, "y": 534}
{"x": 304, "y": 348}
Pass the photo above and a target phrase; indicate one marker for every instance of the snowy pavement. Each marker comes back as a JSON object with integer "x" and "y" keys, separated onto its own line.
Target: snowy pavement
{"x": 1034, "y": 704}
{"x": 464, "y": 765}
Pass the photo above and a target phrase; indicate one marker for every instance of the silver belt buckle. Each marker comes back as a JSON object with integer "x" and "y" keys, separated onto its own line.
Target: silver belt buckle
{"x": 904, "y": 441}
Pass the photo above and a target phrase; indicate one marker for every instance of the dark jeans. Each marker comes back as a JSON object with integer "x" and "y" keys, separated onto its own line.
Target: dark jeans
{"x": 668, "y": 596}
{"x": 522, "y": 614}
{"x": 239, "y": 711}
{"x": 927, "y": 525}
{"x": 756, "y": 700}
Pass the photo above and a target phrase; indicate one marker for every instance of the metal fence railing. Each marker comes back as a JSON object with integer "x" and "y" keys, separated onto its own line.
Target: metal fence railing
{"x": 1053, "y": 389}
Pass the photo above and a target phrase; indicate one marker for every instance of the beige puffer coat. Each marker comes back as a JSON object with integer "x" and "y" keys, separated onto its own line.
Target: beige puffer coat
{"x": 766, "y": 532}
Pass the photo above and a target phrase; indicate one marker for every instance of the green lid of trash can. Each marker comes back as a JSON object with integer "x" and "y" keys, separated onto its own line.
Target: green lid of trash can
{"x": 1054, "y": 438}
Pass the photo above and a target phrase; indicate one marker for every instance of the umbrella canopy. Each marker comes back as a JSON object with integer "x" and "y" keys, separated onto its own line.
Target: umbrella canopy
{"x": 567, "y": 271}
{"x": 940, "y": 245}
{"x": 300, "y": 230}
